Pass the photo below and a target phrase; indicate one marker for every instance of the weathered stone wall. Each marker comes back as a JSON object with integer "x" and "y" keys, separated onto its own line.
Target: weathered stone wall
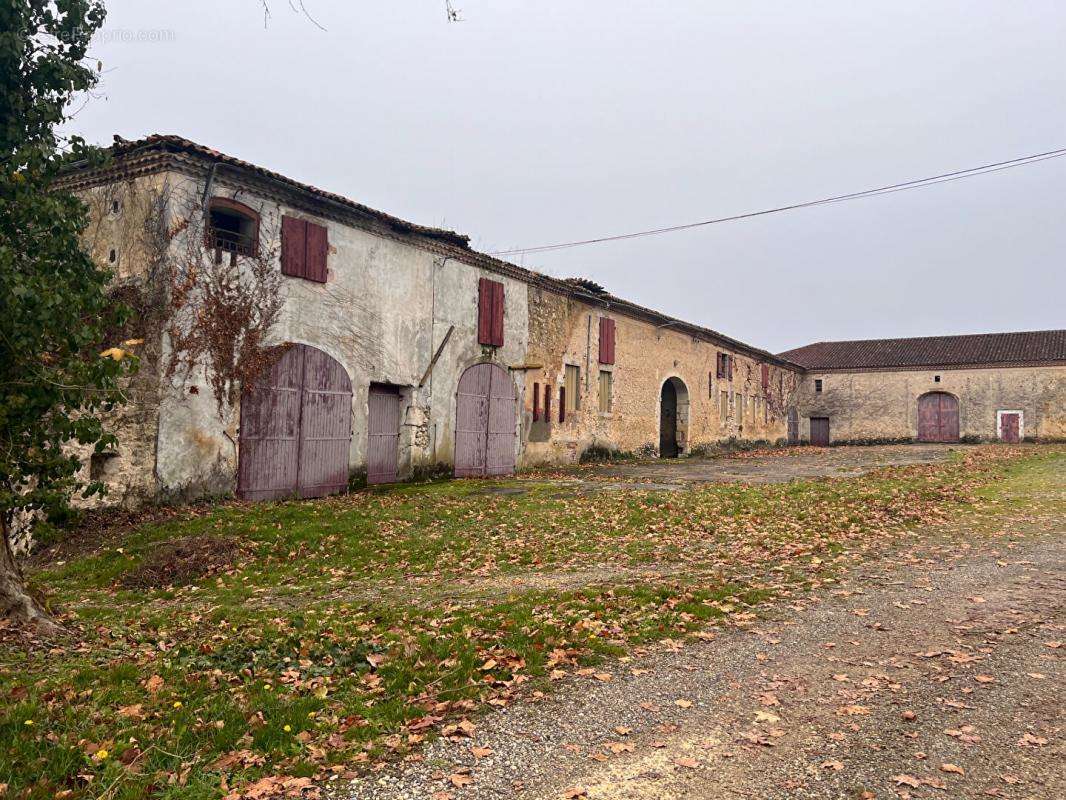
{"x": 884, "y": 405}
{"x": 564, "y": 330}
{"x": 120, "y": 237}
{"x": 385, "y": 308}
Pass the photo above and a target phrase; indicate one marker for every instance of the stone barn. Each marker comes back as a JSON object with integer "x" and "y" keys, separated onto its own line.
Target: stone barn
{"x": 985, "y": 387}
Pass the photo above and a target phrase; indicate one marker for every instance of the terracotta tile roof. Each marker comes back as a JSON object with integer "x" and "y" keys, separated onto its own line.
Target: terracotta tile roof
{"x": 151, "y": 147}
{"x": 177, "y": 144}
{"x": 982, "y": 349}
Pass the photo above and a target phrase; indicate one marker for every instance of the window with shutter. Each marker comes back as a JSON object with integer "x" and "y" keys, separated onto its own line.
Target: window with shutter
{"x": 765, "y": 378}
{"x": 572, "y": 382}
{"x": 536, "y": 402}
{"x": 317, "y": 252}
{"x": 304, "y": 249}
{"x": 547, "y": 402}
{"x": 606, "y": 340}
{"x": 293, "y": 246}
{"x": 605, "y": 391}
{"x": 490, "y": 311}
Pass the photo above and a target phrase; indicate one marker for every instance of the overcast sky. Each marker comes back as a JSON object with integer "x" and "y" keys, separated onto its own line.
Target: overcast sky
{"x": 536, "y": 122}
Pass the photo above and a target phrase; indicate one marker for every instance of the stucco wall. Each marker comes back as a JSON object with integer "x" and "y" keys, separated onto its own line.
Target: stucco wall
{"x": 564, "y": 330}
{"x": 884, "y": 405}
{"x": 383, "y": 311}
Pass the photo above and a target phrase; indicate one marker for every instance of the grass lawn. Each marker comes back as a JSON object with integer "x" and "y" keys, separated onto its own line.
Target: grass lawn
{"x": 348, "y": 630}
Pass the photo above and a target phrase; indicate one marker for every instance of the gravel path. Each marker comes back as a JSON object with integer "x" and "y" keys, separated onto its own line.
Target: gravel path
{"x": 926, "y": 675}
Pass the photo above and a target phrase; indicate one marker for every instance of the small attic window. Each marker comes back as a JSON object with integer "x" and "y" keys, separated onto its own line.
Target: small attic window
{"x": 232, "y": 228}
{"x": 936, "y": 379}
{"x": 112, "y": 256}
{"x": 115, "y": 207}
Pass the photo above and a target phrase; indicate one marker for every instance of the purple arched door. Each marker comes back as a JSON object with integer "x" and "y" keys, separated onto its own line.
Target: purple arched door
{"x": 938, "y": 417}
{"x": 296, "y": 429}
{"x": 486, "y": 422}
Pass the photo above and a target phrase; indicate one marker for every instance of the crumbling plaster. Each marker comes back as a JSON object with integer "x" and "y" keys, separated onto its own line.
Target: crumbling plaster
{"x": 383, "y": 311}
{"x": 565, "y": 330}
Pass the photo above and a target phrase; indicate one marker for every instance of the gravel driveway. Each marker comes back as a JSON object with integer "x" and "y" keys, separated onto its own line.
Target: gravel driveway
{"x": 932, "y": 674}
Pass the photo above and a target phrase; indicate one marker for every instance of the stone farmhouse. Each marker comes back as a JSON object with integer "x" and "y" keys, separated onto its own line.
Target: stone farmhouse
{"x": 407, "y": 352}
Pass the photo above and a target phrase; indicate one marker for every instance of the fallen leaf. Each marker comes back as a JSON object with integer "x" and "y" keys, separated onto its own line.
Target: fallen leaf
{"x": 687, "y": 763}
{"x": 1032, "y": 741}
{"x": 460, "y": 779}
{"x": 955, "y": 768}
{"x": 907, "y": 780}
{"x": 683, "y": 703}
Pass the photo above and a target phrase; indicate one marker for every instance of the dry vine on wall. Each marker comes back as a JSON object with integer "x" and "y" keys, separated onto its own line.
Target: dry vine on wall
{"x": 202, "y": 304}
{"x": 223, "y": 304}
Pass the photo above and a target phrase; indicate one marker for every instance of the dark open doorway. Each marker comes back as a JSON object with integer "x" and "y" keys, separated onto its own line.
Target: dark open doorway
{"x": 673, "y": 418}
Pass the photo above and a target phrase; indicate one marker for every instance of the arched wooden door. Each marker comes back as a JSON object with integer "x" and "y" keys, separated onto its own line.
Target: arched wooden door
{"x": 486, "y": 421}
{"x": 938, "y": 417}
{"x": 296, "y": 429}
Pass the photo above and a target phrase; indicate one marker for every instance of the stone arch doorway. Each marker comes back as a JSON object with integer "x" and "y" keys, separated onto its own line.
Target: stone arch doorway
{"x": 938, "y": 417}
{"x": 673, "y": 418}
{"x": 486, "y": 422}
{"x": 296, "y": 428}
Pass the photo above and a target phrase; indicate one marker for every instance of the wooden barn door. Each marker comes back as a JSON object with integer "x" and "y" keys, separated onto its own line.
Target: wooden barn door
{"x": 295, "y": 429}
{"x": 485, "y": 422}
{"x": 938, "y": 417}
{"x": 820, "y": 431}
{"x": 383, "y": 434}
{"x": 501, "y": 424}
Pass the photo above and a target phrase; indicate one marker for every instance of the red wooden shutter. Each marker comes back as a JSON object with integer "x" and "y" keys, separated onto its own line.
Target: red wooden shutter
{"x": 293, "y": 247}
{"x": 484, "y": 311}
{"x": 547, "y": 402}
{"x": 729, "y": 360}
{"x": 562, "y": 404}
{"x": 497, "y": 313}
{"x": 317, "y": 251}
{"x": 765, "y": 378}
{"x": 606, "y": 340}
{"x": 490, "y": 312}
{"x": 536, "y": 402}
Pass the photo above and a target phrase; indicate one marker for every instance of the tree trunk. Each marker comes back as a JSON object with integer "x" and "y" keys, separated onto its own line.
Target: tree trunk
{"x": 15, "y": 602}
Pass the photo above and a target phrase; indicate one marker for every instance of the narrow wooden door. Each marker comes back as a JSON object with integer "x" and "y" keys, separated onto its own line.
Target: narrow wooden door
{"x": 383, "y": 434}
{"x": 1010, "y": 427}
{"x": 820, "y": 431}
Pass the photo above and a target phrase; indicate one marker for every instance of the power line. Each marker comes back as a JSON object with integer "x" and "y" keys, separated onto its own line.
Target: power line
{"x": 917, "y": 183}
